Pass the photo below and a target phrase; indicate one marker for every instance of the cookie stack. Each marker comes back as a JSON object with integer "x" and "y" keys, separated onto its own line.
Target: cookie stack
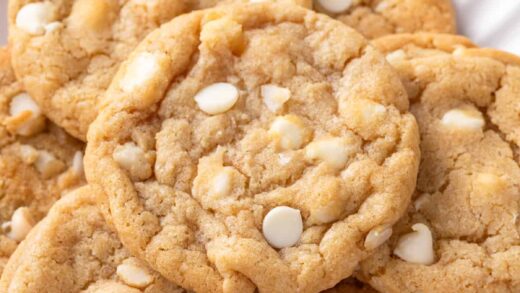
{"x": 242, "y": 146}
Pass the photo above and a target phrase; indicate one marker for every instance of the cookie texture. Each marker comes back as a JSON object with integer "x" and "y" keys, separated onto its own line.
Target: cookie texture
{"x": 73, "y": 250}
{"x": 226, "y": 124}
{"x": 377, "y": 18}
{"x": 351, "y": 285}
{"x": 66, "y": 52}
{"x": 38, "y": 162}
{"x": 462, "y": 233}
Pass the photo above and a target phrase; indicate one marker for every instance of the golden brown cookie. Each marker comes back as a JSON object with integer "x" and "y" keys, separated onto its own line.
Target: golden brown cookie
{"x": 376, "y": 18}
{"x": 73, "y": 250}
{"x": 462, "y": 233}
{"x": 38, "y": 161}
{"x": 66, "y": 52}
{"x": 255, "y": 145}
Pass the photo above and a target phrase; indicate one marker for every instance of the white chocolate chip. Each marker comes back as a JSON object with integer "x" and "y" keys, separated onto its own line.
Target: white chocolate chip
{"x": 49, "y": 28}
{"x": 25, "y": 109}
{"x": 381, "y": 7}
{"x": 282, "y": 226}
{"x": 33, "y": 17}
{"x": 134, "y": 275}
{"x": 140, "y": 72}
{"x": 335, "y": 6}
{"x": 416, "y": 247}
{"x": 133, "y": 159}
{"x": 28, "y": 154}
{"x": 463, "y": 119}
{"x": 332, "y": 151}
{"x": 77, "y": 163}
{"x": 394, "y": 56}
{"x": 21, "y": 223}
{"x": 274, "y": 96}
{"x": 377, "y": 236}
{"x": 221, "y": 184}
{"x": 217, "y": 98}
{"x": 48, "y": 165}
{"x": 289, "y": 132}
{"x": 284, "y": 158}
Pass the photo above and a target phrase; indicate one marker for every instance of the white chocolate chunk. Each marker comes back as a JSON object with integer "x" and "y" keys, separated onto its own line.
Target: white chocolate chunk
{"x": 336, "y": 6}
{"x": 134, "y": 275}
{"x": 48, "y": 165}
{"x": 133, "y": 159}
{"x": 217, "y": 98}
{"x": 28, "y": 154}
{"x": 274, "y": 96}
{"x": 77, "y": 163}
{"x": 288, "y": 131}
{"x": 377, "y": 236}
{"x": 332, "y": 151}
{"x": 463, "y": 119}
{"x": 416, "y": 247}
{"x": 23, "y": 107}
{"x": 21, "y": 223}
{"x": 140, "y": 72}
{"x": 282, "y": 226}
{"x": 394, "y": 56}
{"x": 221, "y": 184}
{"x": 33, "y": 17}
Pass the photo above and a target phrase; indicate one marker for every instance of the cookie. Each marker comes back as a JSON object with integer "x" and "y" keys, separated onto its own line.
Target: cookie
{"x": 256, "y": 145}
{"x": 74, "y": 250}
{"x": 38, "y": 161}
{"x": 461, "y": 233}
{"x": 376, "y": 18}
{"x": 351, "y": 285}
{"x": 66, "y": 52}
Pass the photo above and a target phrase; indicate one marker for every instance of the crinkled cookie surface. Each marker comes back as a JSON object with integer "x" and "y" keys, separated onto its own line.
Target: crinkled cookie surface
{"x": 73, "y": 250}
{"x": 38, "y": 161}
{"x": 66, "y": 52}
{"x": 377, "y": 18}
{"x": 462, "y": 233}
{"x": 255, "y": 145}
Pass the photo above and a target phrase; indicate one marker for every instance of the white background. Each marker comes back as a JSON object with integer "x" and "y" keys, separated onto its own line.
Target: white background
{"x": 489, "y": 23}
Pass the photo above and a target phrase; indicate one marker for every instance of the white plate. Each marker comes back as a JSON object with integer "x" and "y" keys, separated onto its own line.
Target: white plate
{"x": 489, "y": 23}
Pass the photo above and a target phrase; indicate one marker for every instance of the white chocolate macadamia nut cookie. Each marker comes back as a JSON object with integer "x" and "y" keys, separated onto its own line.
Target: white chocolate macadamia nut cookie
{"x": 36, "y": 161}
{"x": 264, "y": 147}
{"x": 376, "y": 18}
{"x": 73, "y": 250}
{"x": 462, "y": 233}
